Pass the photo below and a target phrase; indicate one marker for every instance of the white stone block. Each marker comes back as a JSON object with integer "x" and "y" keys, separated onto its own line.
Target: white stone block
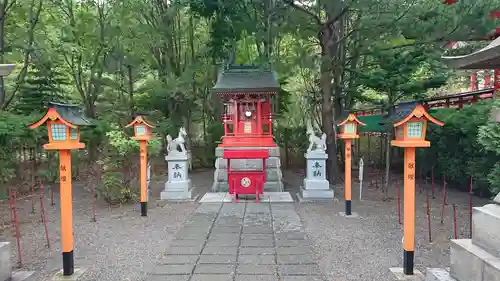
{"x": 312, "y": 184}
{"x": 438, "y": 274}
{"x": 315, "y": 194}
{"x": 486, "y": 228}
{"x": 471, "y": 263}
{"x": 5, "y": 261}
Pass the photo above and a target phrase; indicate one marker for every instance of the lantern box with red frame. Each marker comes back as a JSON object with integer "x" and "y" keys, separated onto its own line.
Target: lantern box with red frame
{"x": 349, "y": 127}
{"x": 246, "y": 182}
{"x": 411, "y": 130}
{"x": 143, "y": 130}
{"x": 63, "y": 122}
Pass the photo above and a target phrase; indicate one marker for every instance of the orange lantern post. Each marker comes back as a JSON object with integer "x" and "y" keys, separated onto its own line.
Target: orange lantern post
{"x": 348, "y": 132}
{"x": 410, "y": 127}
{"x": 143, "y": 132}
{"x": 63, "y": 121}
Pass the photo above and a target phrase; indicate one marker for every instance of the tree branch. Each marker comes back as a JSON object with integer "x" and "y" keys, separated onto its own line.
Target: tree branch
{"x": 304, "y": 10}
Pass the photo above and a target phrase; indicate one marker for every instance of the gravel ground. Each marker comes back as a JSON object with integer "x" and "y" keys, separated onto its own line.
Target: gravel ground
{"x": 123, "y": 246}
{"x": 364, "y": 248}
{"x": 120, "y": 246}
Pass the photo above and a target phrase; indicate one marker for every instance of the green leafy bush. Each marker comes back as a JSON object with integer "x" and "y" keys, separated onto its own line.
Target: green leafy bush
{"x": 119, "y": 183}
{"x": 457, "y": 152}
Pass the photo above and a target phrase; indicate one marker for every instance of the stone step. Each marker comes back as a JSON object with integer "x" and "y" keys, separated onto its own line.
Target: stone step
{"x": 271, "y": 175}
{"x": 248, "y": 164}
{"x": 438, "y": 274}
{"x": 274, "y": 151}
{"x": 486, "y": 228}
{"x": 469, "y": 262}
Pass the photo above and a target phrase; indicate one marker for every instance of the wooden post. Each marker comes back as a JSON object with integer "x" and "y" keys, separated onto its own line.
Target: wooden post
{"x": 66, "y": 212}
{"x": 409, "y": 211}
{"x": 143, "y": 180}
{"x": 348, "y": 177}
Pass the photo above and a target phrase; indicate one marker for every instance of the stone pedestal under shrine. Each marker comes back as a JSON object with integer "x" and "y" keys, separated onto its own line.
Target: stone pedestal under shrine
{"x": 178, "y": 185}
{"x": 476, "y": 259}
{"x": 274, "y": 176}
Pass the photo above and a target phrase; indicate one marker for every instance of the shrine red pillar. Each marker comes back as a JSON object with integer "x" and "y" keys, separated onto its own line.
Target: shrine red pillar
{"x": 496, "y": 82}
{"x": 259, "y": 118}
{"x": 235, "y": 117}
{"x": 487, "y": 79}
{"x": 473, "y": 81}
{"x": 269, "y": 119}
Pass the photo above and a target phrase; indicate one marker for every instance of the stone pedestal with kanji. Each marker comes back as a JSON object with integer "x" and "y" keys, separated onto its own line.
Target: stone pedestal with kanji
{"x": 178, "y": 185}
{"x": 316, "y": 186}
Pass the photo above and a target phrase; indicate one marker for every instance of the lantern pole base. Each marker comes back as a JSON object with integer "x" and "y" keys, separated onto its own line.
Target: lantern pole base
{"x": 76, "y": 276}
{"x": 144, "y": 209}
{"x": 68, "y": 263}
{"x": 400, "y": 275}
{"x": 352, "y": 215}
{"x": 348, "y": 208}
{"x": 408, "y": 260}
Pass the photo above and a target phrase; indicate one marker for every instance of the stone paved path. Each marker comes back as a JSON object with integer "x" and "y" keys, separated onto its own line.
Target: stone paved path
{"x": 239, "y": 242}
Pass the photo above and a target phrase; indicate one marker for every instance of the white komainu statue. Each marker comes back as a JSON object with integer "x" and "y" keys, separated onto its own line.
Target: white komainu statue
{"x": 318, "y": 143}
{"x": 173, "y": 144}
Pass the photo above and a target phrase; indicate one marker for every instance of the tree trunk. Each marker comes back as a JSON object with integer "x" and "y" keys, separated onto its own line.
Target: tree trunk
{"x": 328, "y": 120}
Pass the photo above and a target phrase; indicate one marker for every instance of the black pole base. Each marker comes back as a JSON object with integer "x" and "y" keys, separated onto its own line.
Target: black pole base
{"x": 408, "y": 259}
{"x": 144, "y": 209}
{"x": 68, "y": 263}
{"x": 348, "y": 208}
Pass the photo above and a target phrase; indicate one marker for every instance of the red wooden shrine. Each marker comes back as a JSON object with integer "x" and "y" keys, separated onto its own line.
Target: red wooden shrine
{"x": 247, "y": 120}
{"x": 247, "y": 92}
{"x": 246, "y": 182}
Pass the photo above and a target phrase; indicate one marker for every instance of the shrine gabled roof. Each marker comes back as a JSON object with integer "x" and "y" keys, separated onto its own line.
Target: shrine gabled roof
{"x": 245, "y": 79}
{"x": 71, "y": 113}
{"x": 401, "y": 111}
{"x": 485, "y": 58}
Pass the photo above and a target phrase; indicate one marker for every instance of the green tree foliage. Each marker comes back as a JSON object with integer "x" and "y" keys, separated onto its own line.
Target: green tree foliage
{"x": 403, "y": 74}
{"x": 45, "y": 83}
{"x": 161, "y": 57}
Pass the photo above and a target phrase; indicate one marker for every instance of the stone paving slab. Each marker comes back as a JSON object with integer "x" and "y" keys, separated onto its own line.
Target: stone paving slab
{"x": 215, "y": 269}
{"x": 169, "y": 278}
{"x": 217, "y": 259}
{"x": 239, "y": 242}
{"x": 179, "y": 259}
{"x": 255, "y": 278}
{"x": 256, "y": 269}
{"x": 211, "y": 277}
{"x": 257, "y": 259}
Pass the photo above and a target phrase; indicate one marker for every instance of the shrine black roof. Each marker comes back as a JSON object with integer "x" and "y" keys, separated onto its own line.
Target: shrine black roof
{"x": 71, "y": 113}
{"x": 246, "y": 78}
{"x": 401, "y": 111}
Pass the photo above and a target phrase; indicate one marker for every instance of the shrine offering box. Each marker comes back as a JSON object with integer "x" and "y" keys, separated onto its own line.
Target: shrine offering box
{"x": 246, "y": 181}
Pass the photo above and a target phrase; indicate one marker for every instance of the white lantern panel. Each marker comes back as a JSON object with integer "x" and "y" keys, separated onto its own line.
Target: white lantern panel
{"x": 58, "y": 132}
{"x": 140, "y": 130}
{"x": 73, "y": 134}
{"x": 349, "y": 128}
{"x": 415, "y": 129}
